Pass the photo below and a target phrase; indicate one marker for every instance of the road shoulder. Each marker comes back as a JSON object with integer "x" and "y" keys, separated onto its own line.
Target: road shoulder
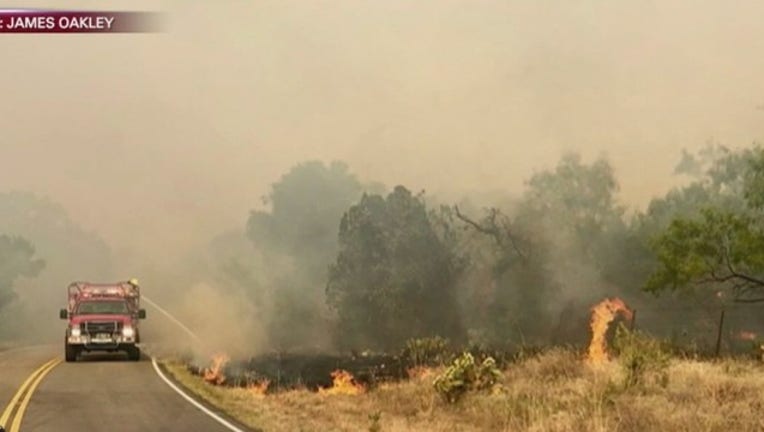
{"x": 205, "y": 401}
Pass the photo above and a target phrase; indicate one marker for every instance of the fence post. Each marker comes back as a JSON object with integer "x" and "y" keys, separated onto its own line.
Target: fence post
{"x": 633, "y": 320}
{"x": 719, "y": 334}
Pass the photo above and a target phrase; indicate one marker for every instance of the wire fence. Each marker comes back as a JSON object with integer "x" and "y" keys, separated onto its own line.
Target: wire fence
{"x": 736, "y": 329}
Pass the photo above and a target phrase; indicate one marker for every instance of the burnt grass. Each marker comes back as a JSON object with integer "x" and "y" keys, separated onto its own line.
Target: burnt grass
{"x": 286, "y": 371}
{"x": 311, "y": 371}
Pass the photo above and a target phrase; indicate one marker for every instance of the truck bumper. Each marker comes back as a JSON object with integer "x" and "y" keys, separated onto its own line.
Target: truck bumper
{"x": 91, "y": 344}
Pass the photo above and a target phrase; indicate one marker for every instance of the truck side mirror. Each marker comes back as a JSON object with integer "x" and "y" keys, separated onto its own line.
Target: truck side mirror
{"x": 141, "y": 313}
{"x": 63, "y": 314}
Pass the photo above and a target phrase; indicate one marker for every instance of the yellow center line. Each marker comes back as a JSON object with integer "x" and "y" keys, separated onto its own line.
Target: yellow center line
{"x": 9, "y": 409}
{"x": 16, "y": 425}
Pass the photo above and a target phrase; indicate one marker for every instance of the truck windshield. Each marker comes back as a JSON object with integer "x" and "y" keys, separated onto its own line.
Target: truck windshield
{"x": 102, "y": 308}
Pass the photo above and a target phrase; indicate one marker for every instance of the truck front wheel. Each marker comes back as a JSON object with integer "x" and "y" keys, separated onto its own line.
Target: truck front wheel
{"x": 134, "y": 353}
{"x": 70, "y": 353}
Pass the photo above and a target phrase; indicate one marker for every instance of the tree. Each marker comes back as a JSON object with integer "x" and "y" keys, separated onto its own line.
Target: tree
{"x": 294, "y": 241}
{"x": 305, "y": 207}
{"x": 553, "y": 247}
{"x": 70, "y": 252}
{"x": 498, "y": 290}
{"x": 576, "y": 198}
{"x": 17, "y": 259}
{"x": 721, "y": 246}
{"x": 394, "y": 278}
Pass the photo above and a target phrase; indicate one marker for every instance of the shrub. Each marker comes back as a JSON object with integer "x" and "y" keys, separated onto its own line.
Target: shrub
{"x": 426, "y": 351}
{"x": 464, "y": 375}
{"x": 642, "y": 357}
{"x": 375, "y": 419}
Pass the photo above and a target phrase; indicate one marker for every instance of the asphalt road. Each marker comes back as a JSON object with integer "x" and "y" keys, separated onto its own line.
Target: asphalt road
{"x": 98, "y": 393}
{"x": 16, "y": 365}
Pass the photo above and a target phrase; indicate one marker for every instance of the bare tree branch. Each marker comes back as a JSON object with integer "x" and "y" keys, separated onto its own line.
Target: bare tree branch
{"x": 492, "y": 232}
{"x": 499, "y": 235}
{"x": 742, "y": 284}
{"x": 753, "y": 300}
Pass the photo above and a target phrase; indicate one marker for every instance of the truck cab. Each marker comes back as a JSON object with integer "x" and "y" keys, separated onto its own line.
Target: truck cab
{"x": 103, "y": 317}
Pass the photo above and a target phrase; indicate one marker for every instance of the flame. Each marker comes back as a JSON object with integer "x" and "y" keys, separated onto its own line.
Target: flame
{"x": 214, "y": 374}
{"x": 602, "y": 315}
{"x": 259, "y": 388}
{"x": 746, "y": 335}
{"x": 342, "y": 383}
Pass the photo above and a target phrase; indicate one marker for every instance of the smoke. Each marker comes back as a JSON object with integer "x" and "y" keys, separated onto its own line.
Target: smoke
{"x": 221, "y": 322}
{"x": 172, "y": 129}
{"x": 159, "y": 143}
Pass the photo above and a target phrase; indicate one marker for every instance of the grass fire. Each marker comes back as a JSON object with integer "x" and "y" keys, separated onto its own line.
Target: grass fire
{"x": 343, "y": 383}
{"x": 602, "y": 315}
{"x": 259, "y": 388}
{"x": 640, "y": 386}
{"x": 214, "y": 373}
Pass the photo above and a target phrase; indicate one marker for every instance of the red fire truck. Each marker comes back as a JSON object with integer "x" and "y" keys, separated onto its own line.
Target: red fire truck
{"x": 103, "y": 317}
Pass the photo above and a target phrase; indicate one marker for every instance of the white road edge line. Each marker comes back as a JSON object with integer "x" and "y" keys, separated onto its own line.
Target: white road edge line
{"x": 193, "y": 402}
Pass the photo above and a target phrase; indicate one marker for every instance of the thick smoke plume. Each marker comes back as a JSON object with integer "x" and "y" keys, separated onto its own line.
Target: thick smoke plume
{"x": 140, "y": 163}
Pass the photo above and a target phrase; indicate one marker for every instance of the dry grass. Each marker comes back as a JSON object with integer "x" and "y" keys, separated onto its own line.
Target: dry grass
{"x": 554, "y": 391}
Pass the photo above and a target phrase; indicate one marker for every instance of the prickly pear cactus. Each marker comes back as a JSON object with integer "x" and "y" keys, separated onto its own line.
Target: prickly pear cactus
{"x": 465, "y": 375}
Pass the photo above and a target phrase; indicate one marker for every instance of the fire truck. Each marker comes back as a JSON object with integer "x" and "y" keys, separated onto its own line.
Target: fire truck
{"x": 103, "y": 317}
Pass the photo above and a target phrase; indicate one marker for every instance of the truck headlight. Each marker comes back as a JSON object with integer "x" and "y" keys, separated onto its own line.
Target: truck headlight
{"x": 76, "y": 332}
{"x": 128, "y": 332}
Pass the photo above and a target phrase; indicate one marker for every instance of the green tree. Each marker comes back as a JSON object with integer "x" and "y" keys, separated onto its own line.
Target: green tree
{"x": 17, "y": 259}
{"x": 721, "y": 244}
{"x": 394, "y": 277}
{"x": 718, "y": 179}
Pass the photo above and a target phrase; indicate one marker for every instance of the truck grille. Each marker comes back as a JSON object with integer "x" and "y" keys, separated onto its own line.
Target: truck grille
{"x": 93, "y": 328}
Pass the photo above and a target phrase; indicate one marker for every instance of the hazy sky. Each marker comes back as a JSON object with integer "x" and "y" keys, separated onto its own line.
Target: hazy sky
{"x": 159, "y": 141}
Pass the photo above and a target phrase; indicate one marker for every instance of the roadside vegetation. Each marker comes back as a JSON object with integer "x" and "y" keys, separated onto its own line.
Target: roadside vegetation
{"x": 527, "y": 273}
{"x": 330, "y": 262}
{"x": 336, "y": 264}
{"x": 17, "y": 259}
{"x": 555, "y": 390}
